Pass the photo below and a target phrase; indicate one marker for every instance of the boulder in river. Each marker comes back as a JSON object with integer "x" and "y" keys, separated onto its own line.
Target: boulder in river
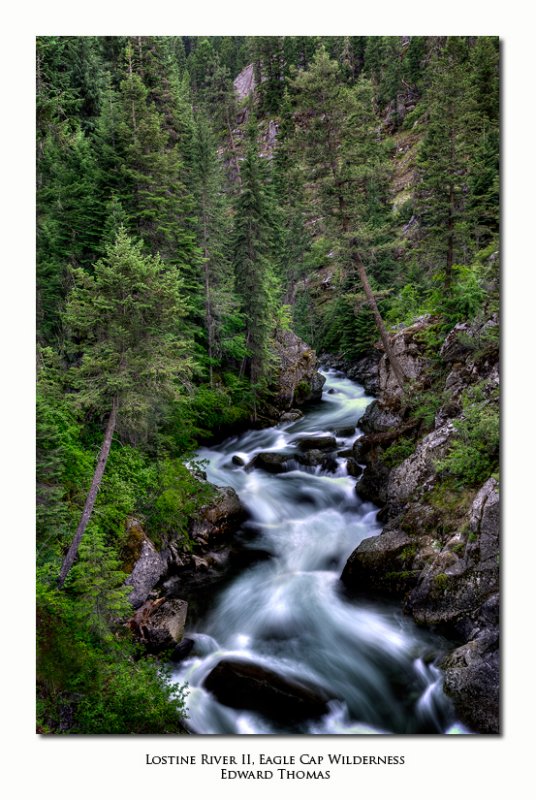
{"x": 243, "y": 684}
{"x": 182, "y": 650}
{"x": 344, "y": 433}
{"x": 270, "y": 462}
{"x": 291, "y": 416}
{"x": 381, "y": 565}
{"x": 353, "y": 468}
{"x": 316, "y": 442}
{"x": 318, "y": 458}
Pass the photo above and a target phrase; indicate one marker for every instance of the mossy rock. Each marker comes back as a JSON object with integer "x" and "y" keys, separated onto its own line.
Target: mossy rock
{"x": 132, "y": 547}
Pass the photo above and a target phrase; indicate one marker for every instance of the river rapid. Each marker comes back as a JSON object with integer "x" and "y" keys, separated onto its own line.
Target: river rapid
{"x": 288, "y": 611}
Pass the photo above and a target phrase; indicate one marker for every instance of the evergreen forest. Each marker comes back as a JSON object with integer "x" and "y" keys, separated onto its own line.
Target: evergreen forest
{"x": 199, "y": 200}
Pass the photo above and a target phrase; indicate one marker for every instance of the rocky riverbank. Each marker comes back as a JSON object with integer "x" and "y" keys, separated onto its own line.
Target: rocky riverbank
{"x": 167, "y": 582}
{"x": 439, "y": 549}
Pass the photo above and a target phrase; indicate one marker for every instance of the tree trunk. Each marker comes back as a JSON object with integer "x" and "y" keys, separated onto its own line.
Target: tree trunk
{"x": 233, "y": 148}
{"x": 90, "y": 500}
{"x": 393, "y": 360}
{"x": 208, "y": 294}
{"x": 450, "y": 240}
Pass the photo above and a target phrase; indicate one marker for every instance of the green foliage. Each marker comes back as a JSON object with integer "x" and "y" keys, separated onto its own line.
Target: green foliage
{"x": 473, "y": 455}
{"x": 215, "y": 408}
{"x": 464, "y": 299}
{"x": 88, "y": 684}
{"x": 406, "y": 305}
{"x": 441, "y": 581}
{"x": 256, "y": 282}
{"x": 123, "y": 319}
{"x": 424, "y": 405}
{"x": 97, "y": 584}
{"x": 397, "y": 452}
{"x": 175, "y": 317}
{"x": 177, "y": 495}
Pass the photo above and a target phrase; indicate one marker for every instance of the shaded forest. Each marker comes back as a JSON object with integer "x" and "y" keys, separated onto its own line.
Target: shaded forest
{"x": 196, "y": 199}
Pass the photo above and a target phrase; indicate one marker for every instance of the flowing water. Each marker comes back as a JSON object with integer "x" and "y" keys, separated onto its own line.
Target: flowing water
{"x": 289, "y": 613}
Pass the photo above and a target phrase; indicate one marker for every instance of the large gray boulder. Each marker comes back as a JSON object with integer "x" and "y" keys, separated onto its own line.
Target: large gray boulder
{"x": 325, "y": 442}
{"x": 377, "y": 418}
{"x": 472, "y": 680}
{"x": 456, "y": 585}
{"x": 297, "y": 381}
{"x": 417, "y": 473}
{"x": 410, "y": 351}
{"x": 148, "y": 570}
{"x": 271, "y": 462}
{"x": 382, "y": 565}
{"x": 365, "y": 372}
{"x": 485, "y": 523}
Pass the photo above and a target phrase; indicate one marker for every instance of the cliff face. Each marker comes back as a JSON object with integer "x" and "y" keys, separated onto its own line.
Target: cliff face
{"x": 439, "y": 550}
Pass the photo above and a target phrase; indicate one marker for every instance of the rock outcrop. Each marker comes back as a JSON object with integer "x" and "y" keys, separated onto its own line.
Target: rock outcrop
{"x": 439, "y": 550}
{"x": 244, "y": 83}
{"x": 147, "y": 571}
{"x": 410, "y": 350}
{"x": 218, "y": 519}
{"x": 159, "y": 624}
{"x": 161, "y": 579}
{"x": 298, "y": 380}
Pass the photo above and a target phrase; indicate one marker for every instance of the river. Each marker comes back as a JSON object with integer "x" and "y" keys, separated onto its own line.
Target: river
{"x": 288, "y": 611}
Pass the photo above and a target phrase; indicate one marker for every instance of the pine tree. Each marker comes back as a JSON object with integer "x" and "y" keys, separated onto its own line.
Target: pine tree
{"x": 125, "y": 323}
{"x": 254, "y": 269}
{"x": 346, "y": 162}
{"x": 69, "y": 220}
{"x": 270, "y": 67}
{"x": 220, "y": 303}
{"x": 483, "y": 182}
{"x": 444, "y": 159}
{"x": 292, "y": 242}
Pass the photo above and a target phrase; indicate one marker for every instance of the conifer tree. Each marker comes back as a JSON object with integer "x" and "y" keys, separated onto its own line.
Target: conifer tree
{"x": 270, "y": 67}
{"x": 252, "y": 250}
{"x": 220, "y": 303}
{"x": 293, "y": 241}
{"x": 125, "y": 324}
{"x": 345, "y": 161}
{"x": 444, "y": 159}
{"x": 69, "y": 221}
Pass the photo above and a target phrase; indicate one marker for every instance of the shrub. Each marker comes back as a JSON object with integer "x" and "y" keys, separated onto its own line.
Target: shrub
{"x": 396, "y": 453}
{"x": 474, "y": 453}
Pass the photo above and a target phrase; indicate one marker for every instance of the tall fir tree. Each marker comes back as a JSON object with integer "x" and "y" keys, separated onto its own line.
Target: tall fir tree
{"x": 444, "y": 160}
{"x": 253, "y": 260}
{"x": 347, "y": 163}
{"x": 222, "y": 318}
{"x": 125, "y": 325}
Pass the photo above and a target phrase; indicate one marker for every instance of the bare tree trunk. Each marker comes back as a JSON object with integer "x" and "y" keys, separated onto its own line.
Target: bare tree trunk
{"x": 69, "y": 559}
{"x": 450, "y": 240}
{"x": 233, "y": 148}
{"x": 208, "y": 294}
{"x": 393, "y": 360}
